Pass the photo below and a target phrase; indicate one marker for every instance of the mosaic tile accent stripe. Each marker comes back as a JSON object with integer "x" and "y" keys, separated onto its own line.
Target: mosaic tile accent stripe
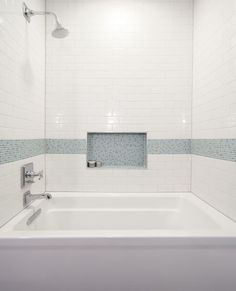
{"x": 66, "y": 146}
{"x": 169, "y": 146}
{"x": 223, "y": 149}
{"x": 118, "y": 149}
{"x": 15, "y": 150}
{"x": 154, "y": 146}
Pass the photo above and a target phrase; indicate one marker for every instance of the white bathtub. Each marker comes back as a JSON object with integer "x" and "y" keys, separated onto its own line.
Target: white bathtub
{"x": 119, "y": 242}
{"x": 112, "y": 215}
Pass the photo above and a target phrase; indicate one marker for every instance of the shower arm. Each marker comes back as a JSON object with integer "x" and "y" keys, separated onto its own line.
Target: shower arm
{"x": 28, "y": 13}
{"x": 35, "y": 13}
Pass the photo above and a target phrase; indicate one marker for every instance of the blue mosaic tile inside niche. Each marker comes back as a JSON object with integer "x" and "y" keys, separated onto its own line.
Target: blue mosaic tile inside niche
{"x": 118, "y": 149}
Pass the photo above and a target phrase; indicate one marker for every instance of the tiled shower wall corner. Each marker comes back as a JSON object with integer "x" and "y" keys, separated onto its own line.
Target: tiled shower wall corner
{"x": 214, "y": 105}
{"x": 115, "y": 73}
{"x": 126, "y": 67}
{"x": 22, "y": 91}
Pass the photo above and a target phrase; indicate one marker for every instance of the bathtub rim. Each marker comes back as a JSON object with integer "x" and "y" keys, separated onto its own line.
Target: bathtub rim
{"x": 7, "y": 233}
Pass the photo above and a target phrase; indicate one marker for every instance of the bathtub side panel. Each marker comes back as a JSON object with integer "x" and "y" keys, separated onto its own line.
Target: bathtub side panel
{"x": 116, "y": 268}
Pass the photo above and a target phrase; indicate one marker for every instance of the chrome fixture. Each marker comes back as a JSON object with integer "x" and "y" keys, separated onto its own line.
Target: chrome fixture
{"x": 28, "y": 197}
{"x": 28, "y": 174}
{"x": 32, "y": 174}
{"x": 58, "y": 32}
{"x": 94, "y": 164}
{"x": 98, "y": 164}
{"x": 91, "y": 164}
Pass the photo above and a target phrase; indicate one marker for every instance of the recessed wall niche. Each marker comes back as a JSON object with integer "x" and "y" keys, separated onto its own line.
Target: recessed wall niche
{"x": 118, "y": 150}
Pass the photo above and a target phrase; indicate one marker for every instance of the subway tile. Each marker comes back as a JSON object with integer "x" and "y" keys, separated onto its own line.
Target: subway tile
{"x": 22, "y": 102}
{"x": 214, "y": 106}
{"x": 151, "y": 179}
{"x": 120, "y": 78}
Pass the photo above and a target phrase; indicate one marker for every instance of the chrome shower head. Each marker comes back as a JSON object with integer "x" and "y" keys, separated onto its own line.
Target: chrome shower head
{"x": 58, "y": 32}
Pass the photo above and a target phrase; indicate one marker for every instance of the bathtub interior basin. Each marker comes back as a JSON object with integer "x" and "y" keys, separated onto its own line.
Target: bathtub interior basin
{"x": 120, "y": 214}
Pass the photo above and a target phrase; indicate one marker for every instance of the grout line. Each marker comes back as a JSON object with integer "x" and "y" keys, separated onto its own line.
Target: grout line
{"x": 45, "y": 101}
{"x": 191, "y": 102}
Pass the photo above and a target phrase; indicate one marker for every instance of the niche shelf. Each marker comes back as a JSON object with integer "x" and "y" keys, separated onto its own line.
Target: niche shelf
{"x": 118, "y": 150}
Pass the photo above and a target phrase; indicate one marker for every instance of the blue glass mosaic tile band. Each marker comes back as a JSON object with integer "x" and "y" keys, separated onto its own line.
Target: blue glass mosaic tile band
{"x": 223, "y": 149}
{"x": 14, "y": 150}
{"x": 169, "y": 146}
{"x": 154, "y": 146}
{"x": 118, "y": 149}
{"x": 66, "y": 146}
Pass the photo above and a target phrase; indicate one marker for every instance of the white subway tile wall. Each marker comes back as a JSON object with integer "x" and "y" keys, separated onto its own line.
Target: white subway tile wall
{"x": 22, "y": 72}
{"x": 214, "y": 181}
{"x": 22, "y": 90}
{"x": 125, "y": 67}
{"x": 214, "y": 103}
{"x": 165, "y": 173}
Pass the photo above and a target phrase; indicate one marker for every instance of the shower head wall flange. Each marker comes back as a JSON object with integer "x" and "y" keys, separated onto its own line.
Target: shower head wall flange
{"x": 27, "y": 13}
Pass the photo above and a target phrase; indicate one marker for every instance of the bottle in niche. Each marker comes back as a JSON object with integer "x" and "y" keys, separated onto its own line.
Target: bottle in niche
{"x": 91, "y": 164}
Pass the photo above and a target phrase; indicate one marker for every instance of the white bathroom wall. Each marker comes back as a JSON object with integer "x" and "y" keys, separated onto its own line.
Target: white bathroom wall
{"x": 125, "y": 67}
{"x": 22, "y": 79}
{"x": 214, "y": 103}
{"x": 165, "y": 173}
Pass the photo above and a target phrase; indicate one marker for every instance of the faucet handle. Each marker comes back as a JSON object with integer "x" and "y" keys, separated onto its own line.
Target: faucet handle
{"x": 28, "y": 174}
{"x": 32, "y": 174}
